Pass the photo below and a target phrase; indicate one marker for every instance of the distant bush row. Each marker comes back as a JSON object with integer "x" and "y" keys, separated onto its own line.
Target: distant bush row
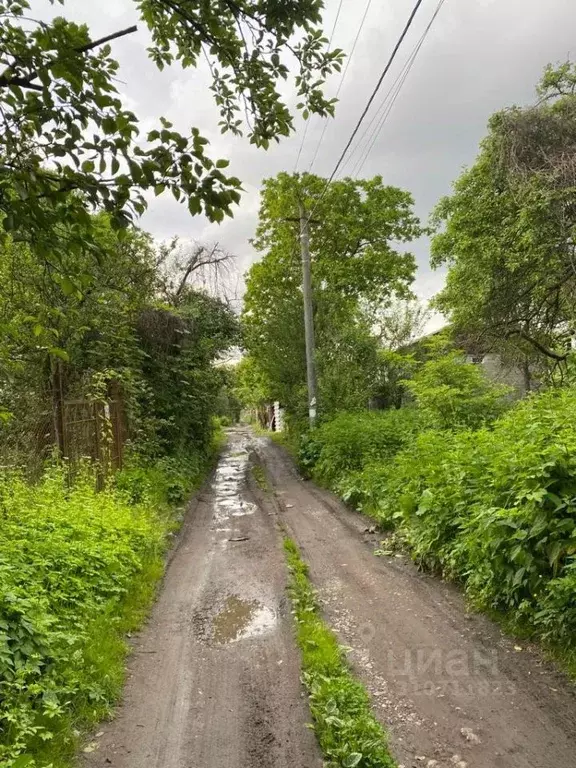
{"x": 494, "y": 506}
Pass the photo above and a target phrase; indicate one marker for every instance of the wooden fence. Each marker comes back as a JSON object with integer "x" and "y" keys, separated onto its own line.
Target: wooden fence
{"x": 92, "y": 430}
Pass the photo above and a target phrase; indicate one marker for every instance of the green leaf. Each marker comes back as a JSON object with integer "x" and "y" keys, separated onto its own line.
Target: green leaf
{"x": 352, "y": 760}
{"x": 22, "y": 761}
{"x": 67, "y": 286}
{"x": 59, "y": 352}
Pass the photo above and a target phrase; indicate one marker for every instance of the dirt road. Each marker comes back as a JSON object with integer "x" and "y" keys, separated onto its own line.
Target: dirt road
{"x": 451, "y": 689}
{"x": 214, "y": 679}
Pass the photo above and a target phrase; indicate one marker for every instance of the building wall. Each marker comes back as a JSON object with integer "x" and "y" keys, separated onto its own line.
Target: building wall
{"x": 512, "y": 376}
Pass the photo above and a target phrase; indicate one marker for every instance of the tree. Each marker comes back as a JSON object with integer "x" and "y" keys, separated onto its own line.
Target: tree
{"x": 509, "y": 230}
{"x": 68, "y": 146}
{"x": 354, "y": 224}
{"x": 181, "y": 345}
{"x": 205, "y": 267}
{"x": 59, "y": 341}
{"x": 398, "y": 323}
{"x": 253, "y": 389}
{"x": 119, "y": 334}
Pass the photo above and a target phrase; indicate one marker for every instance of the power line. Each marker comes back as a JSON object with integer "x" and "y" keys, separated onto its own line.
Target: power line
{"x": 342, "y": 79}
{"x": 386, "y": 107}
{"x": 301, "y": 144}
{"x": 374, "y": 136}
{"x": 375, "y": 117}
{"x": 402, "y": 78}
{"x": 371, "y": 99}
{"x": 308, "y": 120}
{"x": 384, "y": 102}
{"x": 335, "y": 24}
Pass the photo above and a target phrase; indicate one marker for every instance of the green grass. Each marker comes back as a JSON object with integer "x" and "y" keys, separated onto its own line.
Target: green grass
{"x": 288, "y": 440}
{"x": 260, "y": 477}
{"x": 347, "y": 731}
{"x": 105, "y": 659}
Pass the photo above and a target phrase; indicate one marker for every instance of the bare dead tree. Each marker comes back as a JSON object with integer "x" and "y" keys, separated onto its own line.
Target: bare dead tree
{"x": 186, "y": 266}
{"x": 399, "y": 322}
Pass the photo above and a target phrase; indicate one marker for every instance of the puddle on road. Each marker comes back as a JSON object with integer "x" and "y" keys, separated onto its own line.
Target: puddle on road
{"x": 229, "y": 482}
{"x": 241, "y": 619}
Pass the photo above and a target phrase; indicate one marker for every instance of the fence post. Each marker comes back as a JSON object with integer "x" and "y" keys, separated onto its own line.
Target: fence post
{"x": 58, "y": 408}
{"x": 99, "y": 455}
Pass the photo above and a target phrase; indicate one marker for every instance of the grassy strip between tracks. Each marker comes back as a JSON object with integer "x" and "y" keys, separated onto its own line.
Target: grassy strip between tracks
{"x": 348, "y": 733}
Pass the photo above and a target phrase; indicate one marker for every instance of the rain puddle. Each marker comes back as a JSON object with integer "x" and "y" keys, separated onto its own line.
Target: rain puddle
{"x": 241, "y": 619}
{"x": 228, "y": 483}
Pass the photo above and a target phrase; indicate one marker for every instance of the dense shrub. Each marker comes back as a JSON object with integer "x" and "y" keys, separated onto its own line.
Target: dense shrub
{"x": 492, "y": 507}
{"x": 518, "y": 544}
{"x": 166, "y": 479}
{"x": 345, "y": 444}
{"x": 453, "y": 394}
{"x": 77, "y": 570}
{"x": 431, "y": 487}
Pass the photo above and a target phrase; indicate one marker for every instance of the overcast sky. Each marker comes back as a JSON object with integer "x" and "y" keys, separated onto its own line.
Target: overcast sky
{"x": 480, "y": 56}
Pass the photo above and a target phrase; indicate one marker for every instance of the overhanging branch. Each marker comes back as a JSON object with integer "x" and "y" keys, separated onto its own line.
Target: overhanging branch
{"x": 27, "y": 82}
{"x": 537, "y": 345}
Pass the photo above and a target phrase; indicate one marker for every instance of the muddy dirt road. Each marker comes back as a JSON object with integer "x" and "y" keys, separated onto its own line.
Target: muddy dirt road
{"x": 451, "y": 689}
{"x": 214, "y": 678}
{"x": 214, "y": 681}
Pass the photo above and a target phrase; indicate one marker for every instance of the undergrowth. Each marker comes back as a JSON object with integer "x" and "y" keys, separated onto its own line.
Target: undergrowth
{"x": 288, "y": 440}
{"x": 78, "y": 571}
{"x": 348, "y": 733}
{"x": 493, "y": 507}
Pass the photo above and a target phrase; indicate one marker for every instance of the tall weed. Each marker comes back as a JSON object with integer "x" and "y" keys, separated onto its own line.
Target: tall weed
{"x": 494, "y": 507}
{"x": 351, "y": 440}
{"x": 78, "y": 569}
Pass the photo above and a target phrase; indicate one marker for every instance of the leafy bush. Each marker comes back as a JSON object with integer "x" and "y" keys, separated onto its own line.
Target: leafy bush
{"x": 518, "y": 543}
{"x": 497, "y": 509}
{"x": 453, "y": 394}
{"x": 492, "y": 507}
{"x": 365, "y": 488}
{"x": 345, "y": 444}
{"x": 431, "y": 487}
{"x": 167, "y": 479}
{"x": 77, "y": 571}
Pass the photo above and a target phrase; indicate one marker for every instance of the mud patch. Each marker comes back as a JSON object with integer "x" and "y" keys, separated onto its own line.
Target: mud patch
{"x": 240, "y": 619}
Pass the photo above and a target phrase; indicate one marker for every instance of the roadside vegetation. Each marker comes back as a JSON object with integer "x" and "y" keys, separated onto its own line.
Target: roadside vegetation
{"x": 492, "y": 507}
{"x": 347, "y": 731}
{"x": 78, "y": 571}
{"x": 103, "y": 440}
{"x": 476, "y": 478}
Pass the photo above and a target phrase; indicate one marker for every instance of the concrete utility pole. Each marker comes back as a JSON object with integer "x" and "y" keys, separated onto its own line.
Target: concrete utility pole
{"x": 308, "y": 315}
